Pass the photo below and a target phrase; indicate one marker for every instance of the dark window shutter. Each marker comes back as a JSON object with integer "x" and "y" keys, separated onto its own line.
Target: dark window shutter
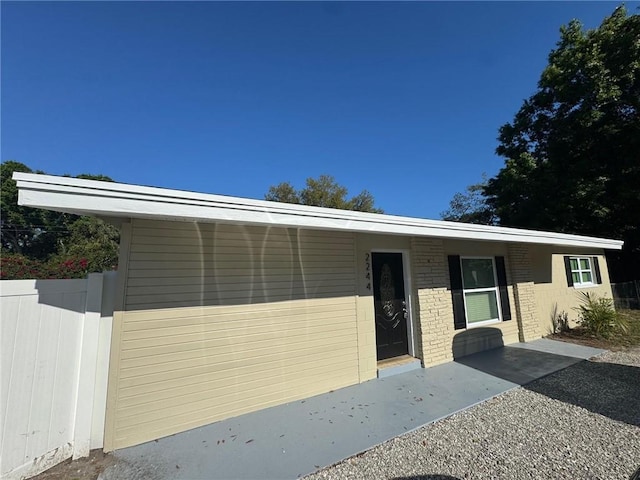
{"x": 567, "y": 269}
{"x": 455, "y": 276}
{"x": 502, "y": 288}
{"x": 596, "y": 268}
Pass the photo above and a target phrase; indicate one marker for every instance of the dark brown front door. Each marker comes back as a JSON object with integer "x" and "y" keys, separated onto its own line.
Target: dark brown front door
{"x": 390, "y": 305}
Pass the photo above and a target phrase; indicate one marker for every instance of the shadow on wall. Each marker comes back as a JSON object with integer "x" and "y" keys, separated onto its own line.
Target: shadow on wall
{"x": 608, "y": 389}
{"x": 66, "y": 294}
{"x": 194, "y": 265}
{"x": 96, "y": 293}
{"x": 542, "y": 264}
{"x": 476, "y": 340}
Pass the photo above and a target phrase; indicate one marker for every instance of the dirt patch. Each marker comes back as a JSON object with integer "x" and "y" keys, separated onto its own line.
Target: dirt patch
{"x": 82, "y": 469}
{"x": 618, "y": 342}
{"x": 586, "y": 340}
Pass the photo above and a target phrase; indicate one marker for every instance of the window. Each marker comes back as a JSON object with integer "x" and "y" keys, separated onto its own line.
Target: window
{"x": 478, "y": 290}
{"x": 582, "y": 271}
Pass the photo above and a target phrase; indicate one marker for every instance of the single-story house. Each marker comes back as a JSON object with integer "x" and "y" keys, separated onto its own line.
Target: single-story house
{"x": 229, "y": 305}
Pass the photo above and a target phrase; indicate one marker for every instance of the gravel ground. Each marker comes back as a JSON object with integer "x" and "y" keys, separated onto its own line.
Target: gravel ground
{"x": 580, "y": 423}
{"x": 630, "y": 356}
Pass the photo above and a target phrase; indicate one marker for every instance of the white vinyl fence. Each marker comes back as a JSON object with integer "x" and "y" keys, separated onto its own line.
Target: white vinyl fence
{"x": 54, "y": 356}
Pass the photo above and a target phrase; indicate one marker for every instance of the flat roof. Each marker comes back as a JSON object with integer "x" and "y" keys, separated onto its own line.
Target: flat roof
{"x": 119, "y": 200}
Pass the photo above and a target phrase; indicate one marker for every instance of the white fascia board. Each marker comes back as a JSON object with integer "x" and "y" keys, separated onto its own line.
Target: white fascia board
{"x": 90, "y": 197}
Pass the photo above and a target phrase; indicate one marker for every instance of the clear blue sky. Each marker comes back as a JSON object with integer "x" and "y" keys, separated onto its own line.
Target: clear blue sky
{"x": 403, "y": 99}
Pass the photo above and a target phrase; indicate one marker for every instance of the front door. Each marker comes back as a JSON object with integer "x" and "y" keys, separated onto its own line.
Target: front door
{"x": 390, "y": 305}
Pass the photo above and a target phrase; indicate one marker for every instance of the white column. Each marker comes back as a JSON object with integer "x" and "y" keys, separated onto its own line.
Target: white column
{"x": 87, "y": 368}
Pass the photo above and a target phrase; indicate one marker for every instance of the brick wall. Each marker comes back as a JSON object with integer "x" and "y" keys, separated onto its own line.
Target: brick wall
{"x": 519, "y": 259}
{"x": 435, "y": 313}
{"x": 437, "y": 338}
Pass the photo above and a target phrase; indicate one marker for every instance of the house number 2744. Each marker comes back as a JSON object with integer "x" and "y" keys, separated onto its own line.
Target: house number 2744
{"x": 367, "y": 270}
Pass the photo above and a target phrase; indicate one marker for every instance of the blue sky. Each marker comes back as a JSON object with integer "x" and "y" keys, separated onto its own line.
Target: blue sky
{"x": 402, "y": 99}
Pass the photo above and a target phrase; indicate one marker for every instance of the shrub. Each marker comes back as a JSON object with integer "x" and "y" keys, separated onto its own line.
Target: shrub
{"x": 14, "y": 266}
{"x": 67, "y": 268}
{"x": 599, "y": 317}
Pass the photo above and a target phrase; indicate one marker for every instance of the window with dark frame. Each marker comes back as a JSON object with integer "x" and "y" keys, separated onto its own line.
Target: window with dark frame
{"x": 582, "y": 271}
{"x": 478, "y": 291}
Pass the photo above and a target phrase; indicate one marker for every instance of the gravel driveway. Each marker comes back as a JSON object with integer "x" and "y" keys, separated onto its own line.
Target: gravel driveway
{"x": 580, "y": 423}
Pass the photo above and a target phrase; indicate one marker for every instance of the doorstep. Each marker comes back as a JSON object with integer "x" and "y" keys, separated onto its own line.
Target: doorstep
{"x": 397, "y": 365}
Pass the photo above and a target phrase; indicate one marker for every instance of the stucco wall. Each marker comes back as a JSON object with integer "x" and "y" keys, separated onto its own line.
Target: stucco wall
{"x": 553, "y": 294}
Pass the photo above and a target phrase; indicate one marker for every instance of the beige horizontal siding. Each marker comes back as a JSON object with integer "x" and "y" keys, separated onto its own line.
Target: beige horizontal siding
{"x": 222, "y": 320}
{"x": 231, "y": 264}
{"x": 234, "y": 277}
{"x": 236, "y": 405}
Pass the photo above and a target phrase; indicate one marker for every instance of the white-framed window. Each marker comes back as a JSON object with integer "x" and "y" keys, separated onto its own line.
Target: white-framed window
{"x": 582, "y": 274}
{"x": 480, "y": 290}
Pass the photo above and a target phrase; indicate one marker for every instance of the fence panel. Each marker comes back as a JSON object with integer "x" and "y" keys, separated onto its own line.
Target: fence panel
{"x": 626, "y": 294}
{"x": 48, "y": 365}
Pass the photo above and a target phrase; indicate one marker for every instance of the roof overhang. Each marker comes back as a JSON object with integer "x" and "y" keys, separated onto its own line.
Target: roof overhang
{"x": 117, "y": 200}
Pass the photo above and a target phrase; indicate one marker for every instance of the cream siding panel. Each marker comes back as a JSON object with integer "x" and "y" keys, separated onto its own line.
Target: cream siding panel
{"x": 234, "y": 406}
{"x": 221, "y": 320}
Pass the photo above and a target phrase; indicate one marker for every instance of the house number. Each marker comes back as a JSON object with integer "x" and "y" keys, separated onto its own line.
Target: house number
{"x": 367, "y": 269}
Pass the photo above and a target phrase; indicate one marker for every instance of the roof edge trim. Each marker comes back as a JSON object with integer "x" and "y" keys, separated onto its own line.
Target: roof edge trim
{"x": 133, "y": 201}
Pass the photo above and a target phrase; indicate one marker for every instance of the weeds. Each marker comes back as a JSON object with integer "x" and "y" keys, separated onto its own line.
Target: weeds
{"x": 559, "y": 321}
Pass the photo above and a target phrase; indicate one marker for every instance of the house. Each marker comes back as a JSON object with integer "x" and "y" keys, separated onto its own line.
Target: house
{"x": 228, "y": 305}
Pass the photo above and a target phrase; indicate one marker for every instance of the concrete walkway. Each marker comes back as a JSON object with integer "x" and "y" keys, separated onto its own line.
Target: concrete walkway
{"x": 295, "y": 439}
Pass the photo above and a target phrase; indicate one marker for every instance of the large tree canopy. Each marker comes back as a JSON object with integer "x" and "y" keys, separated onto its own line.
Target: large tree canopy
{"x": 572, "y": 152}
{"x": 573, "y": 149}
{"x": 323, "y": 191}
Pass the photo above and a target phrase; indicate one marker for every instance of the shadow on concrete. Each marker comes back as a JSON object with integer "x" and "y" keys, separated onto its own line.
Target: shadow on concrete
{"x": 517, "y": 365}
{"x": 427, "y": 477}
{"x": 607, "y": 389}
{"x": 476, "y": 340}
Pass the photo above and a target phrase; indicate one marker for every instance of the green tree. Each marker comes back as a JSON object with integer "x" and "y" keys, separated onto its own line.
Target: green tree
{"x": 41, "y": 243}
{"x": 471, "y": 206}
{"x": 572, "y": 151}
{"x": 23, "y": 230}
{"x": 323, "y": 191}
{"x": 283, "y": 192}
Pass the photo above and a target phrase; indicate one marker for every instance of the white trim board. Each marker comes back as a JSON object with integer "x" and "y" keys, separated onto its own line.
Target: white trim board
{"x": 117, "y": 200}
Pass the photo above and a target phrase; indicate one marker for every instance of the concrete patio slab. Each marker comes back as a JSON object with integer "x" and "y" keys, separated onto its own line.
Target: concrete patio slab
{"x": 560, "y": 348}
{"x": 298, "y": 438}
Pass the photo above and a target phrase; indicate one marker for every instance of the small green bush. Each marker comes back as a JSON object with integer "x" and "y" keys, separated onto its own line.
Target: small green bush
{"x": 599, "y": 317}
